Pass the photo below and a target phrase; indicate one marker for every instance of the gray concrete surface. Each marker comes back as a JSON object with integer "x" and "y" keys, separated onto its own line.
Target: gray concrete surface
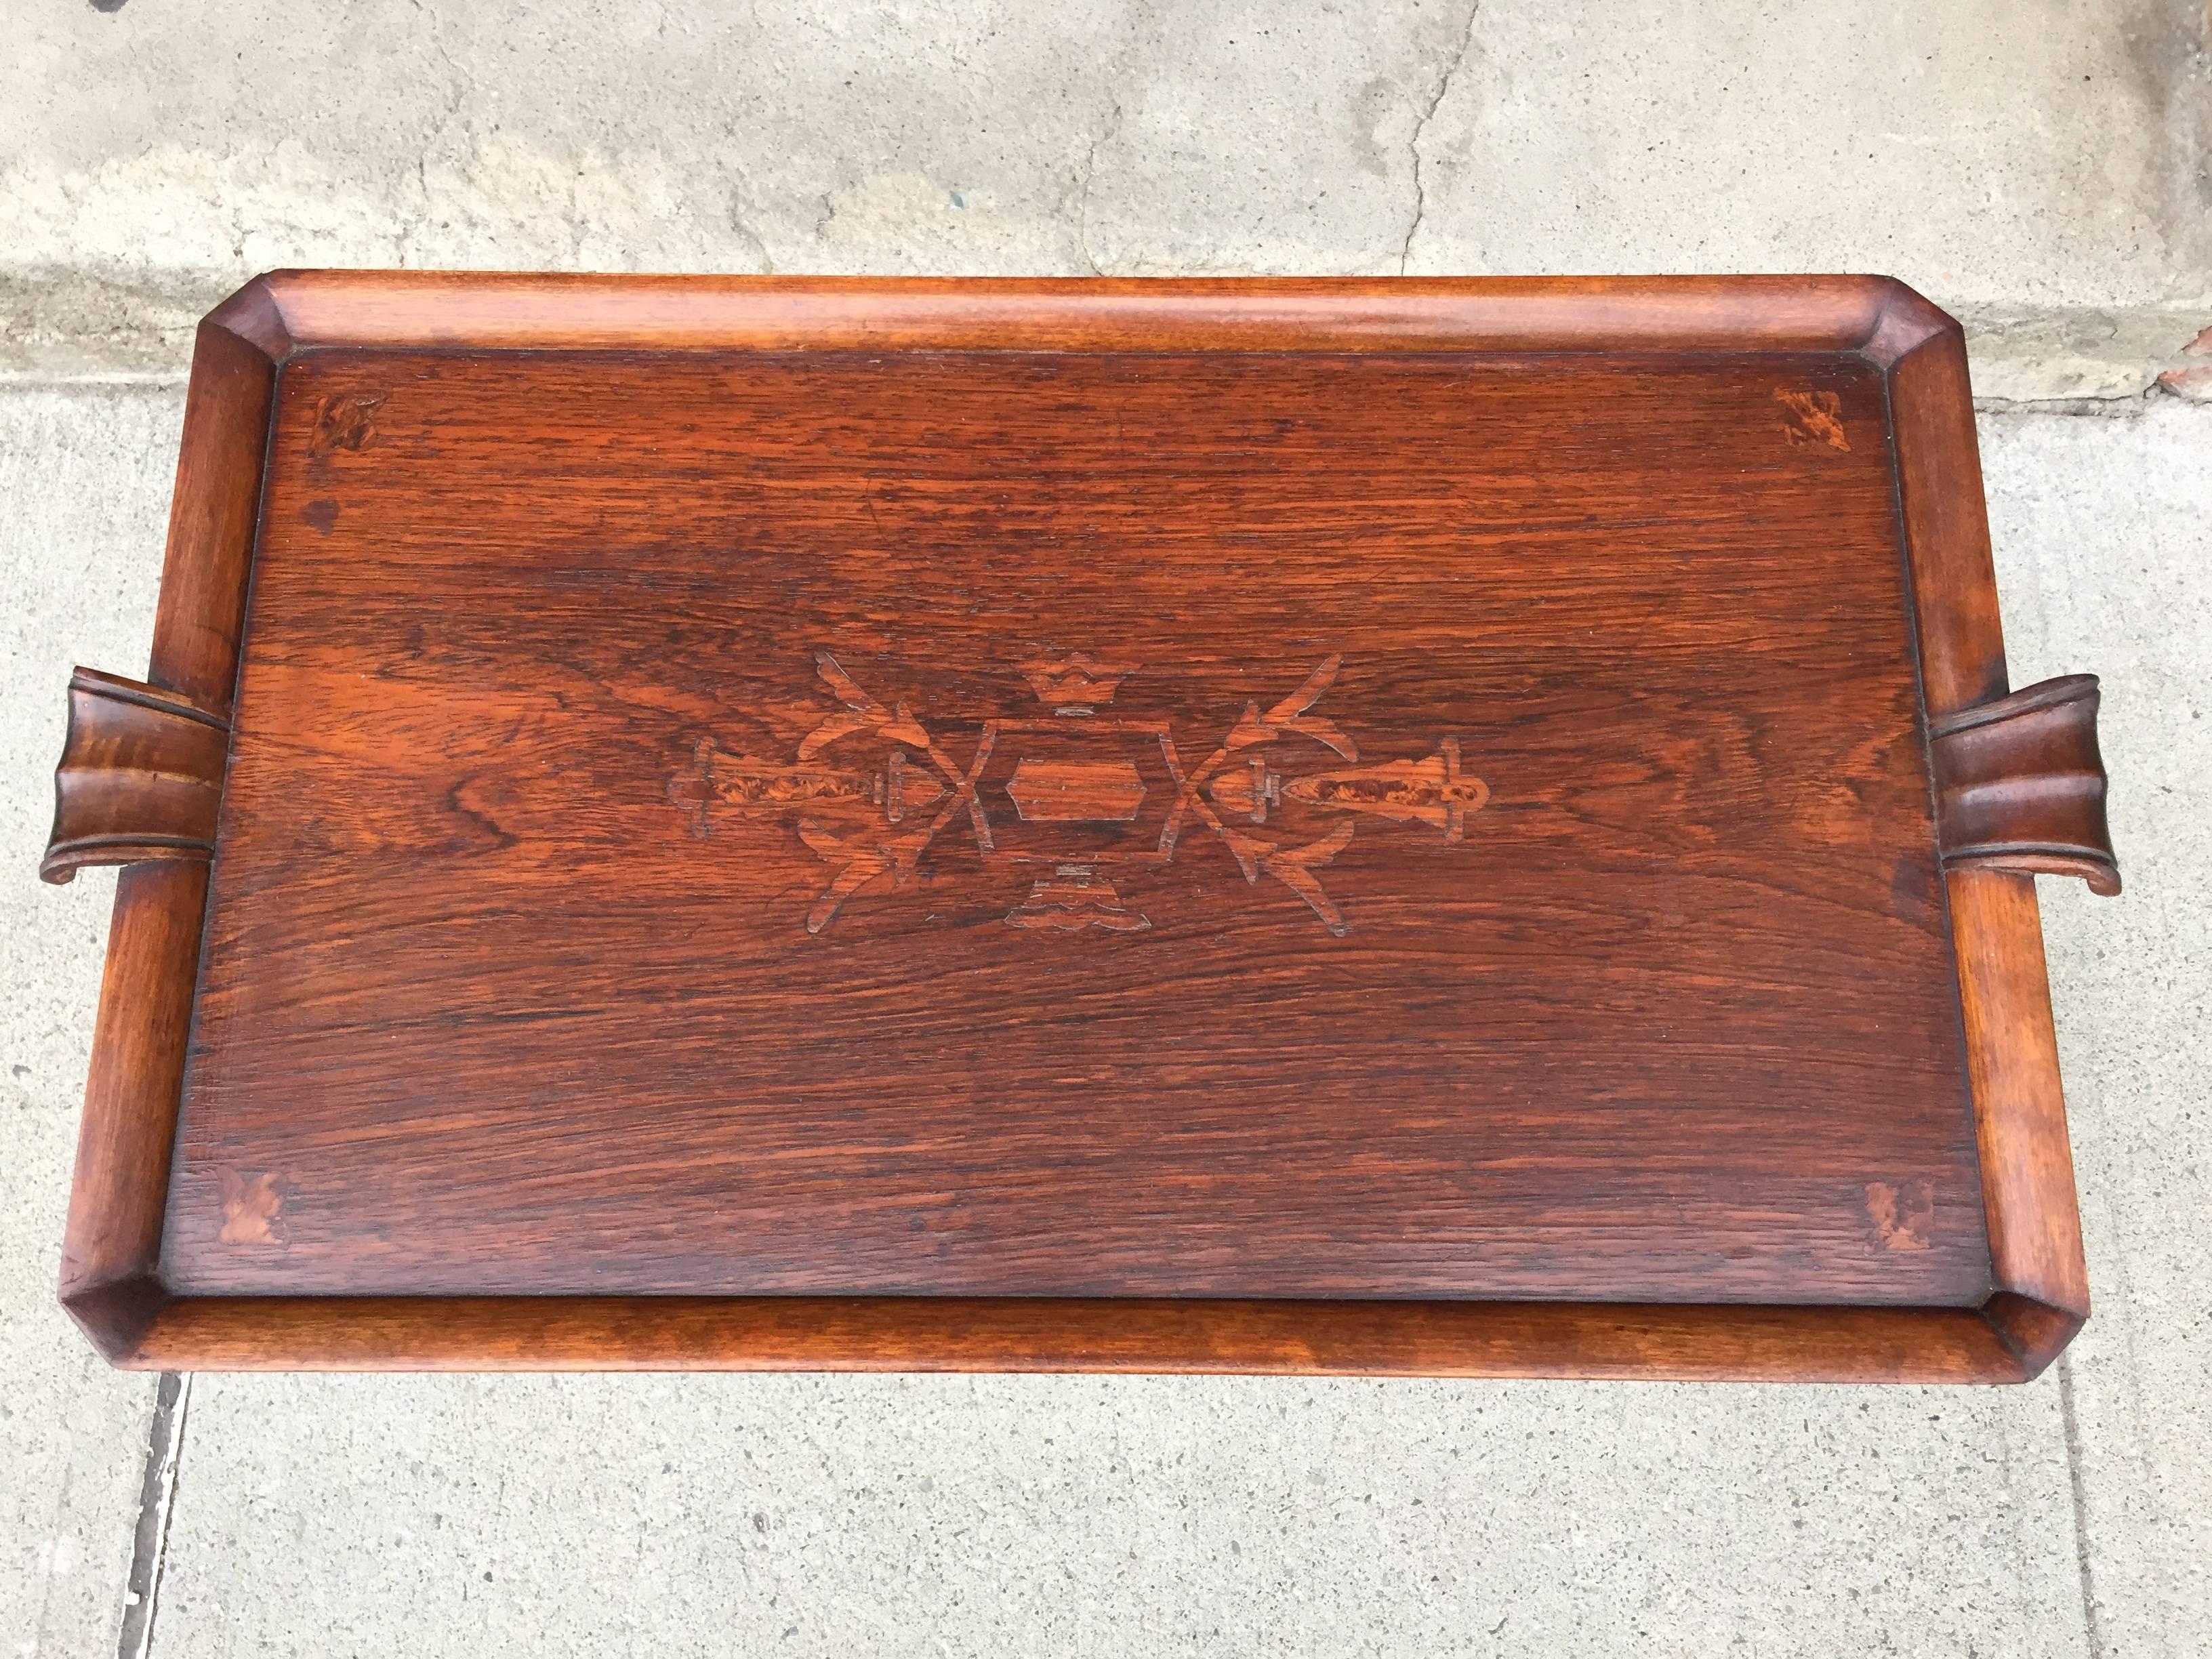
{"x": 2041, "y": 170}
{"x": 1124, "y": 1516}
{"x": 2105, "y": 539}
{"x": 84, "y": 482}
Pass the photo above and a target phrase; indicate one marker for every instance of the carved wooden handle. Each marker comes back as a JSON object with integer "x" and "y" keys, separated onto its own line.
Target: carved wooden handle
{"x": 2020, "y": 784}
{"x": 141, "y": 777}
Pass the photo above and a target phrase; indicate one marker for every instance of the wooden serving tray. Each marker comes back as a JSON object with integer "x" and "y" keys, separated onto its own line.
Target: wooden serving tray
{"x": 1422, "y": 827}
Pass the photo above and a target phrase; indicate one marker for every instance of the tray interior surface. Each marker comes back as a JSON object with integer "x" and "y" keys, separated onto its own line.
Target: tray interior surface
{"x": 1407, "y": 825}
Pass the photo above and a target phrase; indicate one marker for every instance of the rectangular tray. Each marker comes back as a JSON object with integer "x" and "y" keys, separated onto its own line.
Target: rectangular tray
{"x": 1468, "y": 827}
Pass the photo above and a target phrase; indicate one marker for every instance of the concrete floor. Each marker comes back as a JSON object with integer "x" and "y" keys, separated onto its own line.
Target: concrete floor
{"x": 2042, "y": 171}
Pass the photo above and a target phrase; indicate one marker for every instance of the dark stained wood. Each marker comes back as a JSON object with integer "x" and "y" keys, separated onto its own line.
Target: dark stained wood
{"x": 1374, "y": 827}
{"x": 417, "y": 311}
{"x": 2038, "y": 1279}
{"x": 2020, "y": 785}
{"x": 110, "y": 1277}
{"x": 212, "y": 513}
{"x": 1959, "y": 638}
{"x": 1368, "y": 1338}
{"x": 140, "y": 778}
{"x": 2027, "y": 1161}
{"x": 1329, "y": 1061}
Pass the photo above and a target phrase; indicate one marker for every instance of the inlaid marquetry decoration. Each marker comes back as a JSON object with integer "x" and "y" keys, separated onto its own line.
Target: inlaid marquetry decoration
{"x": 1086, "y": 795}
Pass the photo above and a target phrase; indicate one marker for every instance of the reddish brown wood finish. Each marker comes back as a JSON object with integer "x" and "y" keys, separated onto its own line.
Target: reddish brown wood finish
{"x": 2020, "y": 785}
{"x": 140, "y": 778}
{"x": 2039, "y": 1277}
{"x": 111, "y": 1256}
{"x": 414, "y": 311}
{"x": 1097, "y": 826}
{"x": 1376, "y": 1339}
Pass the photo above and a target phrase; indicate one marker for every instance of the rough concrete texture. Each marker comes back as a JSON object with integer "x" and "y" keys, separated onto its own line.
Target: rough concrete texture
{"x": 84, "y": 483}
{"x": 2104, "y": 562}
{"x": 2042, "y": 170}
{"x": 319, "y": 1516}
{"x": 925, "y": 1516}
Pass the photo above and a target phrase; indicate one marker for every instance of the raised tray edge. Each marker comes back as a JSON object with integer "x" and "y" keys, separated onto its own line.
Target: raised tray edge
{"x": 111, "y": 1280}
{"x": 111, "y": 1251}
{"x": 2039, "y": 1276}
{"x": 823, "y": 1334}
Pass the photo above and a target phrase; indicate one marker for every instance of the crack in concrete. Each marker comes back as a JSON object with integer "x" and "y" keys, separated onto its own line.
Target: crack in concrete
{"x": 157, "y": 1497}
{"x": 1421, "y": 126}
{"x": 576, "y": 217}
{"x": 2119, "y": 406}
{"x": 737, "y": 205}
{"x": 454, "y": 114}
{"x": 1111, "y": 131}
{"x": 743, "y": 229}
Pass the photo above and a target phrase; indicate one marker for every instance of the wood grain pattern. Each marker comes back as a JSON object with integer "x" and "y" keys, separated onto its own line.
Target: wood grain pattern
{"x": 140, "y": 777}
{"x": 2038, "y": 1279}
{"x": 1938, "y": 462}
{"x": 2027, "y": 1159}
{"x": 214, "y": 509}
{"x": 1707, "y": 837}
{"x": 2020, "y": 785}
{"x": 111, "y": 1254}
{"x": 1635, "y": 1000}
{"x": 110, "y": 1275}
{"x": 419, "y": 310}
{"x": 1093, "y": 774}
{"x": 1641, "y": 1343}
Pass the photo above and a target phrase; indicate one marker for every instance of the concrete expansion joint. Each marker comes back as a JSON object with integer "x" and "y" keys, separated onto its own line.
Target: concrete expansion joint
{"x": 157, "y": 1497}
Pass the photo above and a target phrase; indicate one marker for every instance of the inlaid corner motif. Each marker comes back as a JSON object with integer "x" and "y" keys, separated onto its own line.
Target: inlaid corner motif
{"x": 1083, "y": 792}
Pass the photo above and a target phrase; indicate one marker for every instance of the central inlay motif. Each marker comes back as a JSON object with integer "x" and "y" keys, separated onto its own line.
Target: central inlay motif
{"x": 1090, "y": 793}
{"x": 1076, "y": 792}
